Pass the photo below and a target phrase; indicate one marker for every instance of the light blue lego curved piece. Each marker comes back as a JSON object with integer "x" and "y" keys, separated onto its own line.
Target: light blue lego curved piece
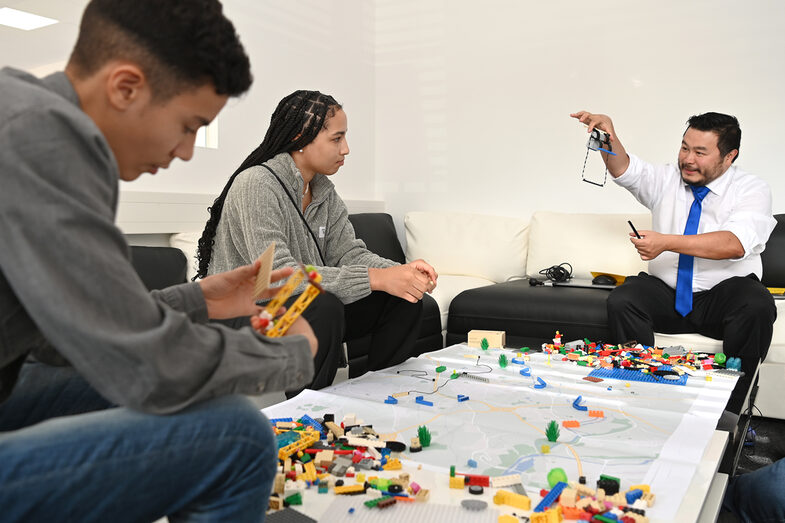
{"x": 577, "y": 404}
{"x": 540, "y": 383}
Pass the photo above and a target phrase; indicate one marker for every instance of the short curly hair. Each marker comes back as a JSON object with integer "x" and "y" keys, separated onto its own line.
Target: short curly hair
{"x": 179, "y": 44}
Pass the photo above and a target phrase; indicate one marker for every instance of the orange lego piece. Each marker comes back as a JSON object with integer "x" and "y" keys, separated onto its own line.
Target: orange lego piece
{"x": 596, "y": 414}
{"x": 571, "y": 424}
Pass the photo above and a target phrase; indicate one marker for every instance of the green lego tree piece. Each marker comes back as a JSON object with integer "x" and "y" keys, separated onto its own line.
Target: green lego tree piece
{"x": 295, "y": 499}
{"x": 484, "y": 344}
{"x": 555, "y": 476}
{"x": 441, "y": 368}
{"x": 720, "y": 358}
{"x": 502, "y": 360}
{"x": 425, "y": 436}
{"x": 552, "y": 432}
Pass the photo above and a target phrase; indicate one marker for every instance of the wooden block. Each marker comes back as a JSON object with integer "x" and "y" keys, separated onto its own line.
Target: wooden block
{"x": 266, "y": 268}
{"x": 496, "y": 339}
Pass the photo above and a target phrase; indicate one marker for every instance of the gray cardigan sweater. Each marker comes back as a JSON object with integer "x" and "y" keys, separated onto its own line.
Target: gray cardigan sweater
{"x": 257, "y": 212}
{"x": 66, "y": 281}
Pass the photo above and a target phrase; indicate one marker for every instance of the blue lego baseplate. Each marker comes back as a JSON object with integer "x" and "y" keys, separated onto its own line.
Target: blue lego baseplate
{"x": 634, "y": 375}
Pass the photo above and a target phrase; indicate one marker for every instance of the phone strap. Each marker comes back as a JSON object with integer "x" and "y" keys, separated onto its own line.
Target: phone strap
{"x": 291, "y": 199}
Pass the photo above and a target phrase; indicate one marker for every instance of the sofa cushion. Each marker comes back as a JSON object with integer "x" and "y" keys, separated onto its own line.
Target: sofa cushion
{"x": 449, "y": 286}
{"x": 188, "y": 242}
{"x": 489, "y": 247}
{"x": 588, "y": 242}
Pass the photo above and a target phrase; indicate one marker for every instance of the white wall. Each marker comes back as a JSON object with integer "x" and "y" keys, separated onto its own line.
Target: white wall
{"x": 473, "y": 98}
{"x": 326, "y": 45}
{"x": 308, "y": 44}
{"x": 463, "y": 105}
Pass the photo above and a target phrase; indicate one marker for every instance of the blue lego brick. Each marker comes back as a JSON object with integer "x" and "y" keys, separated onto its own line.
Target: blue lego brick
{"x": 287, "y": 438}
{"x": 540, "y": 383}
{"x": 307, "y": 420}
{"x": 276, "y": 420}
{"x": 550, "y": 497}
{"x": 390, "y": 400}
{"x": 421, "y": 401}
{"x": 471, "y": 463}
{"x": 634, "y": 375}
{"x": 633, "y": 495}
{"x": 462, "y": 397}
{"x": 577, "y": 404}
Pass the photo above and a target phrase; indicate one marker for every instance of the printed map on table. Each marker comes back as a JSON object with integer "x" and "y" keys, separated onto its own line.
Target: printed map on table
{"x": 647, "y": 433}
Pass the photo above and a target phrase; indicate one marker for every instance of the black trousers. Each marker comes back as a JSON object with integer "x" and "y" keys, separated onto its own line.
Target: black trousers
{"x": 392, "y": 322}
{"x": 739, "y": 311}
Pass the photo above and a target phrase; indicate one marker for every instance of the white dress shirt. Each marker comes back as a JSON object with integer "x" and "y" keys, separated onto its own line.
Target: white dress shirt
{"x": 737, "y": 202}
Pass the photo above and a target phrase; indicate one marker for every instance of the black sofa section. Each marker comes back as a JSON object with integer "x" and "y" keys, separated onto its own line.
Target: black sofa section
{"x": 531, "y": 315}
{"x": 159, "y": 267}
{"x": 378, "y": 232}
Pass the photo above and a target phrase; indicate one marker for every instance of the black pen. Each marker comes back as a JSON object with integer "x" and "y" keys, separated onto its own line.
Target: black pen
{"x": 633, "y": 229}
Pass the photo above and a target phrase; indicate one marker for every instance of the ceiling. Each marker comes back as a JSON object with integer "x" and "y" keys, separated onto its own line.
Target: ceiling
{"x": 41, "y": 47}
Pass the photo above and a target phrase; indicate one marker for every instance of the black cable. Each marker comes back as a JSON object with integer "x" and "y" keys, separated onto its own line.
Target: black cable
{"x": 558, "y": 273}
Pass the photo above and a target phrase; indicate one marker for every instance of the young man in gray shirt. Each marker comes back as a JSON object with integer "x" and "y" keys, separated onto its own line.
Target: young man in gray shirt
{"x": 89, "y": 442}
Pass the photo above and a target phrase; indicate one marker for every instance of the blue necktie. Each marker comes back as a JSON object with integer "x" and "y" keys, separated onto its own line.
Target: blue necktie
{"x": 684, "y": 277}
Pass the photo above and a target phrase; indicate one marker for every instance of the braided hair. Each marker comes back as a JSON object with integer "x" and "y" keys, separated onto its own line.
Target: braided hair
{"x": 295, "y": 123}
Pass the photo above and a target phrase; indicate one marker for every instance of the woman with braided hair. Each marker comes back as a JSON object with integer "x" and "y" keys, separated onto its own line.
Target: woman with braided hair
{"x": 281, "y": 193}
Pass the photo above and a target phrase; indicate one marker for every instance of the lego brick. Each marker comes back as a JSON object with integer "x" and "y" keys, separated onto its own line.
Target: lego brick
{"x": 549, "y": 498}
{"x": 505, "y": 481}
{"x": 421, "y": 401}
{"x": 634, "y": 375}
{"x": 350, "y": 489}
{"x": 505, "y": 497}
{"x": 457, "y": 482}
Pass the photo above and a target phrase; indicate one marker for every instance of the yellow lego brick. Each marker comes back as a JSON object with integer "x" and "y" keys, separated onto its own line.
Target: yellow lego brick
{"x": 642, "y": 486}
{"x": 392, "y": 464}
{"x": 349, "y": 489}
{"x": 310, "y": 472}
{"x": 457, "y": 482}
{"x": 505, "y": 497}
{"x": 506, "y": 518}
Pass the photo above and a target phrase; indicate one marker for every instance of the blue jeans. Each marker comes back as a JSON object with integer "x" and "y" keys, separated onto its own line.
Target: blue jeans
{"x": 757, "y": 496}
{"x": 67, "y": 455}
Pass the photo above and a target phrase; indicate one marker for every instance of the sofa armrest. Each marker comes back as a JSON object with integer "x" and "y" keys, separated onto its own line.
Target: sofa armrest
{"x": 159, "y": 267}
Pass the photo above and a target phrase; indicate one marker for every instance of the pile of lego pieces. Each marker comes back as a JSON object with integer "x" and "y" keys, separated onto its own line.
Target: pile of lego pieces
{"x": 577, "y": 501}
{"x": 325, "y": 454}
{"x": 647, "y": 360}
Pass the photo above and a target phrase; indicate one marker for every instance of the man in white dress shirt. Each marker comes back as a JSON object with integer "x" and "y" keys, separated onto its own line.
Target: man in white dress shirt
{"x": 710, "y": 222}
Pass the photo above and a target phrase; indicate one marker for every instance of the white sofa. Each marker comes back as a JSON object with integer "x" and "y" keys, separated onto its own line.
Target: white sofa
{"x": 471, "y": 250}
